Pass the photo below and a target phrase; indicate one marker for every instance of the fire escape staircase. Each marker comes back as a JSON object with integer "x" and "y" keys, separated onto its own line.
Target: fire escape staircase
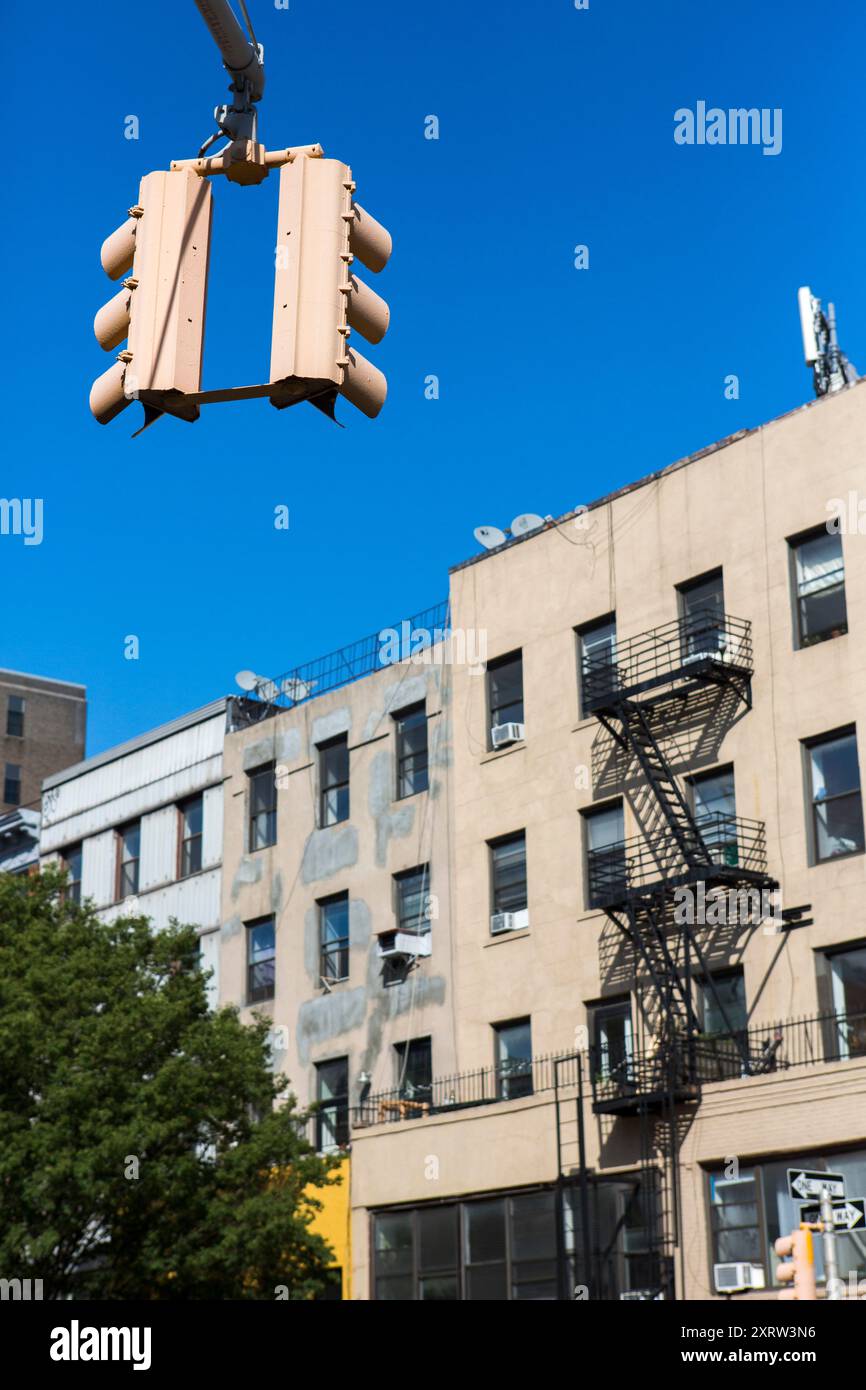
{"x": 634, "y": 881}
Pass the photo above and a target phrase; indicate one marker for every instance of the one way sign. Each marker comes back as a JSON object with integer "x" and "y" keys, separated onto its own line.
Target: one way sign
{"x": 849, "y": 1215}
{"x": 803, "y": 1183}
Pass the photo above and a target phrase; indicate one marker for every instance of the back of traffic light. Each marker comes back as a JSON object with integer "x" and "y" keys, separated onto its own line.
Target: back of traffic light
{"x": 318, "y": 298}
{"x": 799, "y": 1269}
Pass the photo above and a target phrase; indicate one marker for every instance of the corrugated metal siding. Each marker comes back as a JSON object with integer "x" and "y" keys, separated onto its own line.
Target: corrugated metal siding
{"x": 98, "y": 868}
{"x": 193, "y": 901}
{"x": 159, "y": 833}
{"x": 124, "y": 789}
{"x": 212, "y": 829}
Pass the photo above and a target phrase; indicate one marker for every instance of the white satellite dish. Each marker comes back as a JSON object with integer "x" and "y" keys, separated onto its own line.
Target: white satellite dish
{"x": 247, "y": 680}
{"x": 526, "y": 522}
{"x": 296, "y": 689}
{"x": 268, "y": 690}
{"x": 489, "y": 536}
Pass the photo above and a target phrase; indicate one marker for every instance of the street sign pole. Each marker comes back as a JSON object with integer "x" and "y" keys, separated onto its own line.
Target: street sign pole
{"x": 831, "y": 1267}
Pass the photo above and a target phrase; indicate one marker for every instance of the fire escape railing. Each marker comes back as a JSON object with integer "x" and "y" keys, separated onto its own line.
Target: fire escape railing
{"x": 737, "y": 850}
{"x": 703, "y": 645}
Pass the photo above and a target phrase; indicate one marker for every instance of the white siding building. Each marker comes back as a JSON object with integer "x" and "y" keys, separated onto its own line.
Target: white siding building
{"x": 140, "y": 826}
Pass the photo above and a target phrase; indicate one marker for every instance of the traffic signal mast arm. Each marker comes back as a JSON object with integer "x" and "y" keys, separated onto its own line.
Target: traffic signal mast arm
{"x": 165, "y": 242}
{"x": 243, "y": 59}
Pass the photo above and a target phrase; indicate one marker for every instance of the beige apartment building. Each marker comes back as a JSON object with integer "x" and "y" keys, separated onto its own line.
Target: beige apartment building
{"x": 638, "y": 997}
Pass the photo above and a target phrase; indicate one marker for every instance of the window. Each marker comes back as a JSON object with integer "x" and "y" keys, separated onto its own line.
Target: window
{"x": 715, "y": 811}
{"x": 702, "y": 614}
{"x": 414, "y": 1069}
{"x": 191, "y": 819}
{"x": 819, "y": 587}
{"x": 735, "y": 1226}
{"x": 261, "y": 960}
{"x": 334, "y": 780}
{"x": 15, "y": 717}
{"x": 837, "y": 808}
{"x": 71, "y": 859}
{"x": 723, "y": 1011}
{"x": 605, "y": 849}
{"x": 508, "y": 873}
{"x": 413, "y": 899}
{"x": 332, "y": 1093}
{"x": 505, "y": 690}
{"x": 848, "y": 984}
{"x": 612, "y": 1040}
{"x": 513, "y": 1059}
{"x": 490, "y": 1249}
{"x": 12, "y": 785}
{"x": 263, "y": 808}
{"x": 128, "y": 858}
{"x": 596, "y": 659}
{"x": 334, "y": 937}
{"x": 750, "y": 1212}
{"x": 412, "y": 773}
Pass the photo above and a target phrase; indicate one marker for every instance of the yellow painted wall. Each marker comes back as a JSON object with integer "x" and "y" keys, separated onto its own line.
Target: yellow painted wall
{"x": 333, "y": 1223}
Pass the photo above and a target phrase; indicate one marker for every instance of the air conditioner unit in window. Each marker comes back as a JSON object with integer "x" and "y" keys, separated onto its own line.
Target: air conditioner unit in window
{"x": 404, "y": 943}
{"x": 737, "y": 1278}
{"x": 503, "y": 734}
{"x": 509, "y": 921}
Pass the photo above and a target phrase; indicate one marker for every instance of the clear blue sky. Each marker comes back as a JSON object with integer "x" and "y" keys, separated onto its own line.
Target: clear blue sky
{"x": 557, "y": 385}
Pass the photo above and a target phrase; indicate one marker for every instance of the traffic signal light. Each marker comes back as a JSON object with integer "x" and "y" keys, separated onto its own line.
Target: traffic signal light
{"x": 799, "y": 1272}
{"x": 318, "y": 298}
{"x": 161, "y": 307}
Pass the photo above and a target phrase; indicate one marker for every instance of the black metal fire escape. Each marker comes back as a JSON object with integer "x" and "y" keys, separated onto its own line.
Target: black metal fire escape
{"x": 631, "y": 689}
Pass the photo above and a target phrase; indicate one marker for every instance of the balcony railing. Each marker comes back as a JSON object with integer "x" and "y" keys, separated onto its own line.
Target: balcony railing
{"x": 410, "y": 637}
{"x": 737, "y": 847}
{"x": 463, "y": 1091}
{"x": 703, "y": 643}
{"x": 627, "y": 1075}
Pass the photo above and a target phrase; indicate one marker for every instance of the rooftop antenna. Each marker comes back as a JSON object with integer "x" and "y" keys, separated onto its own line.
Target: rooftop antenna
{"x": 831, "y": 369}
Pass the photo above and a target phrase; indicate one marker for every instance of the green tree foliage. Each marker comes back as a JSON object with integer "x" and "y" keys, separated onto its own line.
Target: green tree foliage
{"x": 141, "y": 1153}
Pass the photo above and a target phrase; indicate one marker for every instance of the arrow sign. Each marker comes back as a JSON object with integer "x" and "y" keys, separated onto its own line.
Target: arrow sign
{"x": 849, "y": 1214}
{"x": 803, "y": 1182}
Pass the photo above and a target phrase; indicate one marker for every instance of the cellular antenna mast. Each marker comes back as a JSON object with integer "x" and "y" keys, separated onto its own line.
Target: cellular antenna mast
{"x": 831, "y": 369}
{"x": 245, "y": 62}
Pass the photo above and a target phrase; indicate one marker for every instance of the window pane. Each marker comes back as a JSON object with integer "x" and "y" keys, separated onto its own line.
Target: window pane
{"x": 533, "y": 1226}
{"x": 397, "y": 1290}
{"x": 412, "y": 900}
{"x": 605, "y": 828}
{"x": 514, "y": 1050}
{"x": 394, "y": 1245}
{"x": 536, "y": 1279}
{"x": 193, "y": 817}
{"x": 835, "y": 768}
{"x": 509, "y": 874}
{"x": 821, "y": 587}
{"x": 437, "y": 1238}
{"x": 731, "y": 992}
{"x": 439, "y": 1288}
{"x": 131, "y": 842}
{"x": 487, "y": 1283}
{"x": 505, "y": 690}
{"x": 485, "y": 1231}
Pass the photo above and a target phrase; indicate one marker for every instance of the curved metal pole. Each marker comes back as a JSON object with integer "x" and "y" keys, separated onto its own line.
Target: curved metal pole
{"x": 238, "y": 54}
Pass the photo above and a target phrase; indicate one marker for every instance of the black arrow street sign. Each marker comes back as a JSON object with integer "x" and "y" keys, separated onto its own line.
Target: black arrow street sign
{"x": 803, "y": 1183}
{"x": 849, "y": 1214}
